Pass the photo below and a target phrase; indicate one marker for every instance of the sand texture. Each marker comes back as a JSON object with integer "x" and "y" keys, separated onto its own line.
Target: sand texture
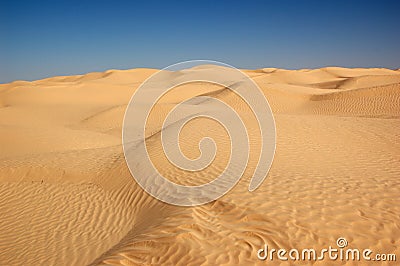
{"x": 67, "y": 196}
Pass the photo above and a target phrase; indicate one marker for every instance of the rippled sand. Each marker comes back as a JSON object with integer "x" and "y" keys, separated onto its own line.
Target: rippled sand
{"x": 67, "y": 196}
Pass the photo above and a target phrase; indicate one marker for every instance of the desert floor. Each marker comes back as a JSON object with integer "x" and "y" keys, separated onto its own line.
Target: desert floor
{"x": 68, "y": 198}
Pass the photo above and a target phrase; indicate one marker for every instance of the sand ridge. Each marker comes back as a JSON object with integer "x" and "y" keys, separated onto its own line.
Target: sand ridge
{"x": 67, "y": 197}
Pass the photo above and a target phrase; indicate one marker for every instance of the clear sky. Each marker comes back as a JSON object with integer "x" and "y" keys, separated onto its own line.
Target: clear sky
{"x": 45, "y": 38}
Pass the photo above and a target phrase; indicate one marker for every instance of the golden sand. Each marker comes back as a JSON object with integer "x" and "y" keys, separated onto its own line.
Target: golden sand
{"x": 68, "y": 198}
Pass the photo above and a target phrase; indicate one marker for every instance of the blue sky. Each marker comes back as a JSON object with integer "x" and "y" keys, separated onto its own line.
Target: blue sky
{"x": 45, "y": 38}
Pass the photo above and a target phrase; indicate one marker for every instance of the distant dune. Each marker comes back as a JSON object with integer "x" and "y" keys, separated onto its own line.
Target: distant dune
{"x": 68, "y": 198}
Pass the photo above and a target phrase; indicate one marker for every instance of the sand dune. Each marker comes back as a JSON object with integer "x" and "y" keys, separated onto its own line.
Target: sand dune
{"x": 68, "y": 198}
